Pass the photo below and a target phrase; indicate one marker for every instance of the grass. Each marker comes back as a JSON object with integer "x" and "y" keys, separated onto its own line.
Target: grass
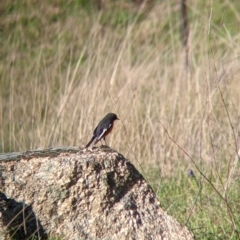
{"x": 64, "y": 65}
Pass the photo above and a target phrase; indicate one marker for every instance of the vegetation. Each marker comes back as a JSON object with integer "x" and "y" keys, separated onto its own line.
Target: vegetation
{"x": 65, "y": 64}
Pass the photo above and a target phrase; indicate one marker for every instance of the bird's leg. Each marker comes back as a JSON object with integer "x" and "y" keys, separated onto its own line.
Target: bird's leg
{"x": 105, "y": 140}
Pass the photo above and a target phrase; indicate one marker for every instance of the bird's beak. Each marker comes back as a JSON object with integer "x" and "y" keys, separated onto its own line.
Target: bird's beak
{"x": 118, "y": 119}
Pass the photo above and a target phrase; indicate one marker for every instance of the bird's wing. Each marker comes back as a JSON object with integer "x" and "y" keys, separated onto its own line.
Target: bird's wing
{"x": 103, "y": 131}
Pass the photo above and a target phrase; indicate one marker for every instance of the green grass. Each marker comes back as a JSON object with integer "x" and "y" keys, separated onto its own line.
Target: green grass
{"x": 195, "y": 204}
{"x": 64, "y": 64}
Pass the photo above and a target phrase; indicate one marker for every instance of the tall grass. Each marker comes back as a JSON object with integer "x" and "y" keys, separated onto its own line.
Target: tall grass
{"x": 64, "y": 67}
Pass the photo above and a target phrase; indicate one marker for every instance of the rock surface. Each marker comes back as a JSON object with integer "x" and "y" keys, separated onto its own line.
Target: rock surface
{"x": 79, "y": 194}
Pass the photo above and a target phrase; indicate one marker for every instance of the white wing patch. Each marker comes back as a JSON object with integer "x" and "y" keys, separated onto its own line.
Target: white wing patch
{"x": 104, "y": 131}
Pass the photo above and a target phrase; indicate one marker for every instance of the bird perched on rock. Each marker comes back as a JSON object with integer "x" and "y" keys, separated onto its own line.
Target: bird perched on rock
{"x": 104, "y": 127}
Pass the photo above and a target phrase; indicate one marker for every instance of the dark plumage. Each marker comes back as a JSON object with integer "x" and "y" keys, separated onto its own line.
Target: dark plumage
{"x": 103, "y": 128}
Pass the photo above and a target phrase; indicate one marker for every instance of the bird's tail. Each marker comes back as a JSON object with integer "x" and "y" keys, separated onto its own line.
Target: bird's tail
{"x": 90, "y": 142}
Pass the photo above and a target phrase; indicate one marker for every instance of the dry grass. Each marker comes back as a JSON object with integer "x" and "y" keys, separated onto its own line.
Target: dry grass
{"x": 58, "y": 80}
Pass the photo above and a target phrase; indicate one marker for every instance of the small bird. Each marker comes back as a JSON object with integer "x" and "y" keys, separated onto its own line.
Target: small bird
{"x": 104, "y": 127}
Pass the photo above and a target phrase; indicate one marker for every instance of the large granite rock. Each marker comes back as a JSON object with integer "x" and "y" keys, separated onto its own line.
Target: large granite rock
{"x": 79, "y": 194}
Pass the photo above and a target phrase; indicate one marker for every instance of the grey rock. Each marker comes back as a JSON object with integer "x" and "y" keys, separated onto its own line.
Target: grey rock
{"x": 80, "y": 194}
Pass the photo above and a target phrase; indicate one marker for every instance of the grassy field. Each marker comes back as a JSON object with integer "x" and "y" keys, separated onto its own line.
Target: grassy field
{"x": 65, "y": 64}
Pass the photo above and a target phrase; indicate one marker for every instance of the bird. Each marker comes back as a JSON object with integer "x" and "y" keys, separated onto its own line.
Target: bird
{"x": 103, "y": 128}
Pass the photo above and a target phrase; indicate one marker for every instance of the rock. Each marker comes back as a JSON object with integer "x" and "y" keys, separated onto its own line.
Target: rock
{"x": 79, "y": 194}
